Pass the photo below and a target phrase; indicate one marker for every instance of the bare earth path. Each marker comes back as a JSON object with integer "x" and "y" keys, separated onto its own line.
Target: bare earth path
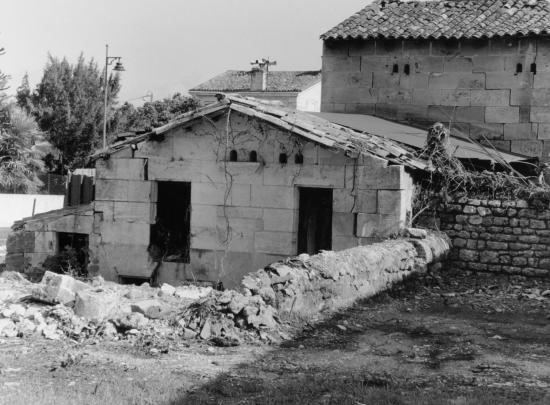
{"x": 457, "y": 340}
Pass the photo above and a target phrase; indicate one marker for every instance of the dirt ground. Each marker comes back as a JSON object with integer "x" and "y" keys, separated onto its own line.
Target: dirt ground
{"x": 456, "y": 339}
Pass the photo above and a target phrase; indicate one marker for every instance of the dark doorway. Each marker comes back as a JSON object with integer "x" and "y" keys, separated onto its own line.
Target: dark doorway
{"x": 315, "y": 220}
{"x": 170, "y": 235}
{"x": 73, "y": 253}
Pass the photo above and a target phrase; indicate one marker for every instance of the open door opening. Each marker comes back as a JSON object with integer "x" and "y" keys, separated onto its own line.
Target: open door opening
{"x": 314, "y": 220}
{"x": 170, "y": 235}
{"x": 73, "y": 253}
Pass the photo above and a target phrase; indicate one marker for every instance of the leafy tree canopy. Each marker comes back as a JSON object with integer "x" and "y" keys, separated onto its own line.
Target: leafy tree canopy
{"x": 68, "y": 106}
{"x": 152, "y": 114}
{"x": 22, "y": 146}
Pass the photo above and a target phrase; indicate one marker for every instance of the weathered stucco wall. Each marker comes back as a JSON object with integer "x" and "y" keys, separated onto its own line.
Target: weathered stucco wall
{"x": 244, "y": 214}
{"x": 472, "y": 83}
{"x": 500, "y": 236}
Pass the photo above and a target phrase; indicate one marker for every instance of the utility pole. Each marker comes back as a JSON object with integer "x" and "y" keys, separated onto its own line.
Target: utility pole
{"x": 118, "y": 68}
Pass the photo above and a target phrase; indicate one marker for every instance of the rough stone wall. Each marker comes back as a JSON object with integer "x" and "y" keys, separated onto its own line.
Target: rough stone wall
{"x": 307, "y": 285}
{"x": 472, "y": 84}
{"x": 244, "y": 214}
{"x": 497, "y": 236}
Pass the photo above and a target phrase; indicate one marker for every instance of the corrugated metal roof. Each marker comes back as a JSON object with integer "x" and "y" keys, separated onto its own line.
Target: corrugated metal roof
{"x": 463, "y": 148}
{"x": 445, "y": 19}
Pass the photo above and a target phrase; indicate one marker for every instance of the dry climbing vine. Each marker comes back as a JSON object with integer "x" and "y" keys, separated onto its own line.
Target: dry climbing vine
{"x": 450, "y": 178}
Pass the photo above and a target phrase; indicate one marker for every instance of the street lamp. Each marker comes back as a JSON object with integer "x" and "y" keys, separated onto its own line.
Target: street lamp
{"x": 118, "y": 68}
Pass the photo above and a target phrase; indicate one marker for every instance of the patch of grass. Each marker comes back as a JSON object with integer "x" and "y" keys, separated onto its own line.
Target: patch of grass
{"x": 330, "y": 389}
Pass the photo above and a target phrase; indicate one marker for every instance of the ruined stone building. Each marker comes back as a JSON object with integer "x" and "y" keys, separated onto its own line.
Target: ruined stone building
{"x": 481, "y": 65}
{"x": 226, "y": 190}
{"x": 293, "y": 89}
{"x": 239, "y": 184}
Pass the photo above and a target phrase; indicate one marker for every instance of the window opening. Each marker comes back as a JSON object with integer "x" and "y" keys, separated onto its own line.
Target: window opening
{"x": 519, "y": 68}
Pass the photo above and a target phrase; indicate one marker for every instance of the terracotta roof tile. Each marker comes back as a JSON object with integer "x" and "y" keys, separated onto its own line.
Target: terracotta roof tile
{"x": 239, "y": 80}
{"x": 445, "y": 19}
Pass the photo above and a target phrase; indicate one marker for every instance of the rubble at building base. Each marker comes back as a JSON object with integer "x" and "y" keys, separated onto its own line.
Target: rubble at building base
{"x": 61, "y": 306}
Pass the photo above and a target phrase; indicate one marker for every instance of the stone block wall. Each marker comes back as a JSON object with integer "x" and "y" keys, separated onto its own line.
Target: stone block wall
{"x": 36, "y": 238}
{"x": 472, "y": 84}
{"x": 244, "y": 214}
{"x": 499, "y": 236}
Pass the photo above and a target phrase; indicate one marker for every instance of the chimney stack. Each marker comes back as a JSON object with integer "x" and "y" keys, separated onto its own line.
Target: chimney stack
{"x": 258, "y": 79}
{"x": 258, "y": 75}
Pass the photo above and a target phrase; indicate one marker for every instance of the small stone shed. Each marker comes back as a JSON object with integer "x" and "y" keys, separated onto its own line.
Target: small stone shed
{"x": 225, "y": 190}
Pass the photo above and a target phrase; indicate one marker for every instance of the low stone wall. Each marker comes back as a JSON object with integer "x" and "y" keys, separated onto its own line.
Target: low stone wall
{"x": 499, "y": 236}
{"x": 307, "y": 285}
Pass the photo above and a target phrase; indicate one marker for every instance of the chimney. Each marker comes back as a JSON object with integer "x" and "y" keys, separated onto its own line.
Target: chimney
{"x": 258, "y": 79}
{"x": 258, "y": 75}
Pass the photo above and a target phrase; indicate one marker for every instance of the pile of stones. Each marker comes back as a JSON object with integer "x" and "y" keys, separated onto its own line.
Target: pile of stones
{"x": 62, "y": 307}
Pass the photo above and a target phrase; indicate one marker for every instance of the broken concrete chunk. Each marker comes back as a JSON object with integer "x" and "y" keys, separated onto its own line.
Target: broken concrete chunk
{"x": 49, "y": 331}
{"x": 167, "y": 290}
{"x": 109, "y": 331}
{"x": 189, "y": 333}
{"x": 237, "y": 304}
{"x": 256, "y": 281}
{"x": 265, "y": 318}
{"x": 26, "y": 328}
{"x": 17, "y": 309}
{"x": 134, "y": 320}
{"x": 416, "y": 233}
{"x": 226, "y": 297}
{"x": 58, "y": 288}
{"x": 95, "y": 306}
{"x": 192, "y": 292}
{"x": 249, "y": 311}
{"x": 268, "y": 295}
{"x": 152, "y": 309}
{"x": 7, "y": 328}
{"x": 206, "y": 330}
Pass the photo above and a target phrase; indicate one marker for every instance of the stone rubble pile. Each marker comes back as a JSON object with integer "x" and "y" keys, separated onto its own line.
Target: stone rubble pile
{"x": 303, "y": 286}
{"x": 225, "y": 315}
{"x": 61, "y": 306}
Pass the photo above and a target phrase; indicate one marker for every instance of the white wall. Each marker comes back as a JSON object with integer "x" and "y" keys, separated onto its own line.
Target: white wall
{"x": 310, "y": 99}
{"x": 14, "y": 207}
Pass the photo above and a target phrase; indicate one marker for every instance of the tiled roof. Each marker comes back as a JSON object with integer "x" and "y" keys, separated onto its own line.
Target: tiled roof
{"x": 315, "y": 129}
{"x": 445, "y": 19}
{"x": 239, "y": 80}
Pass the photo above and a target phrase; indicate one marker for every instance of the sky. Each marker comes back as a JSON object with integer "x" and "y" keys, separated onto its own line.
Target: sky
{"x": 167, "y": 46}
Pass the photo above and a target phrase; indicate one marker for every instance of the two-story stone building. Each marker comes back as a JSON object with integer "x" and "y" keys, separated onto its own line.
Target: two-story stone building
{"x": 481, "y": 66}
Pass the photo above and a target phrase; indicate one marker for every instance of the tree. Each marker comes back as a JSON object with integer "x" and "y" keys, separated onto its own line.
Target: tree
{"x": 152, "y": 114}
{"x": 22, "y": 148}
{"x": 23, "y": 95}
{"x": 3, "y": 81}
{"x": 68, "y": 105}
